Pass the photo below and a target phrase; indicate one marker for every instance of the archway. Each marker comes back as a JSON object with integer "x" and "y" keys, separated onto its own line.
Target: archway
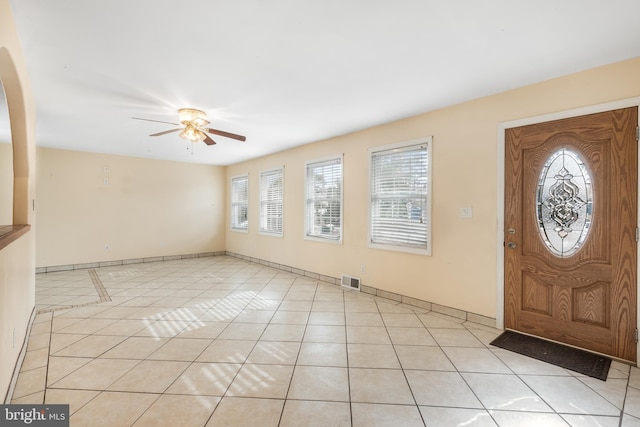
{"x": 22, "y": 215}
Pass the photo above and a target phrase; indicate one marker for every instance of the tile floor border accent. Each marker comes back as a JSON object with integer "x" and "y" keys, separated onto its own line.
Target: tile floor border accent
{"x": 222, "y": 341}
{"x": 100, "y": 289}
{"x": 426, "y": 305}
{"x": 102, "y": 295}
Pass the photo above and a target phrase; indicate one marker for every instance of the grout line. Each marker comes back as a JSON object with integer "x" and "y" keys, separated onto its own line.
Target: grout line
{"x": 295, "y": 363}
{"x": 46, "y": 375}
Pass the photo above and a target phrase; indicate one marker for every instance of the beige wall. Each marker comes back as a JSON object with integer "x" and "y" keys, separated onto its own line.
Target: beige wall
{"x": 461, "y": 272}
{"x": 17, "y": 260}
{"x": 148, "y": 208}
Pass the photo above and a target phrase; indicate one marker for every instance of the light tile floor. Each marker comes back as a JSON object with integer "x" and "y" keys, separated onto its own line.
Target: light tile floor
{"x": 219, "y": 341}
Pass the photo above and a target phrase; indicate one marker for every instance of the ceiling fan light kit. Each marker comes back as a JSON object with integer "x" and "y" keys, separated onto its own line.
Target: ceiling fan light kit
{"x": 192, "y": 127}
{"x": 192, "y": 134}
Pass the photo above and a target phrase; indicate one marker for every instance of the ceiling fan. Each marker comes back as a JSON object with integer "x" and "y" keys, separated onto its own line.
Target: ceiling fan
{"x": 193, "y": 127}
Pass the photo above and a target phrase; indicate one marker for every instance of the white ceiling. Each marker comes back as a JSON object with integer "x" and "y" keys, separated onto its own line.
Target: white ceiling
{"x": 290, "y": 72}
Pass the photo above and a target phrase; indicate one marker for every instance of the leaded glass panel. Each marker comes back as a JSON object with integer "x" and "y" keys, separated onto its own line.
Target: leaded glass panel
{"x": 564, "y": 202}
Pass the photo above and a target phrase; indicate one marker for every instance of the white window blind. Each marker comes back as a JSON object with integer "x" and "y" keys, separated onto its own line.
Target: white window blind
{"x": 400, "y": 197}
{"x": 271, "y": 201}
{"x": 323, "y": 195}
{"x": 240, "y": 203}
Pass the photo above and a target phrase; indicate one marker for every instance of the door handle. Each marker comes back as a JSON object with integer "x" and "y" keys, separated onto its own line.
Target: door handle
{"x": 512, "y": 245}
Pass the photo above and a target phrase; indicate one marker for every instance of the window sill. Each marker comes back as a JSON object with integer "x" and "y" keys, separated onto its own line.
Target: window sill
{"x": 398, "y": 248}
{"x": 323, "y": 239}
{"x": 10, "y": 233}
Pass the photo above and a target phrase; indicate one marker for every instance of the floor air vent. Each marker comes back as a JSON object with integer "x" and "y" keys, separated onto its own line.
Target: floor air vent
{"x": 350, "y": 282}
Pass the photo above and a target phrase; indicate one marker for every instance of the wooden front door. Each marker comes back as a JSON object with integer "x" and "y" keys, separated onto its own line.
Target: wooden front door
{"x": 570, "y": 231}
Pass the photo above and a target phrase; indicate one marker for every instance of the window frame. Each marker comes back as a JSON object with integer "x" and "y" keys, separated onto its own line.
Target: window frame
{"x": 264, "y": 203}
{"x": 308, "y": 222}
{"x": 427, "y": 217}
{"x": 234, "y": 204}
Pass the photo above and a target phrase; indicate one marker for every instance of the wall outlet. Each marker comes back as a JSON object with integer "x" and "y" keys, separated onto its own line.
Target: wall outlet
{"x": 105, "y": 180}
{"x": 363, "y": 269}
{"x": 466, "y": 212}
{"x": 107, "y": 247}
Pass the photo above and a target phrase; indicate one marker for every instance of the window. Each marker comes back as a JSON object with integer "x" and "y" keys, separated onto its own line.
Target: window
{"x": 400, "y": 197}
{"x": 271, "y": 206}
{"x": 323, "y": 199}
{"x": 240, "y": 203}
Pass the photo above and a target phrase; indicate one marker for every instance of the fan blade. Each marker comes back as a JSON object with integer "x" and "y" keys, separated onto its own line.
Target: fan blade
{"x": 226, "y": 134}
{"x": 165, "y": 132}
{"x": 208, "y": 140}
{"x": 157, "y": 121}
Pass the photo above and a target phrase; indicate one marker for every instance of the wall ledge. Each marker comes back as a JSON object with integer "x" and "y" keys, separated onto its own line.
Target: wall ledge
{"x": 11, "y": 233}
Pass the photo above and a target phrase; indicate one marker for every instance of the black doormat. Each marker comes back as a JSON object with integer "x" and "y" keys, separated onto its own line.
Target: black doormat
{"x": 593, "y": 365}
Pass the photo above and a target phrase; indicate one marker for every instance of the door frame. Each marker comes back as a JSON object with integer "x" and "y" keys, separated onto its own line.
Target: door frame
{"x": 502, "y": 127}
